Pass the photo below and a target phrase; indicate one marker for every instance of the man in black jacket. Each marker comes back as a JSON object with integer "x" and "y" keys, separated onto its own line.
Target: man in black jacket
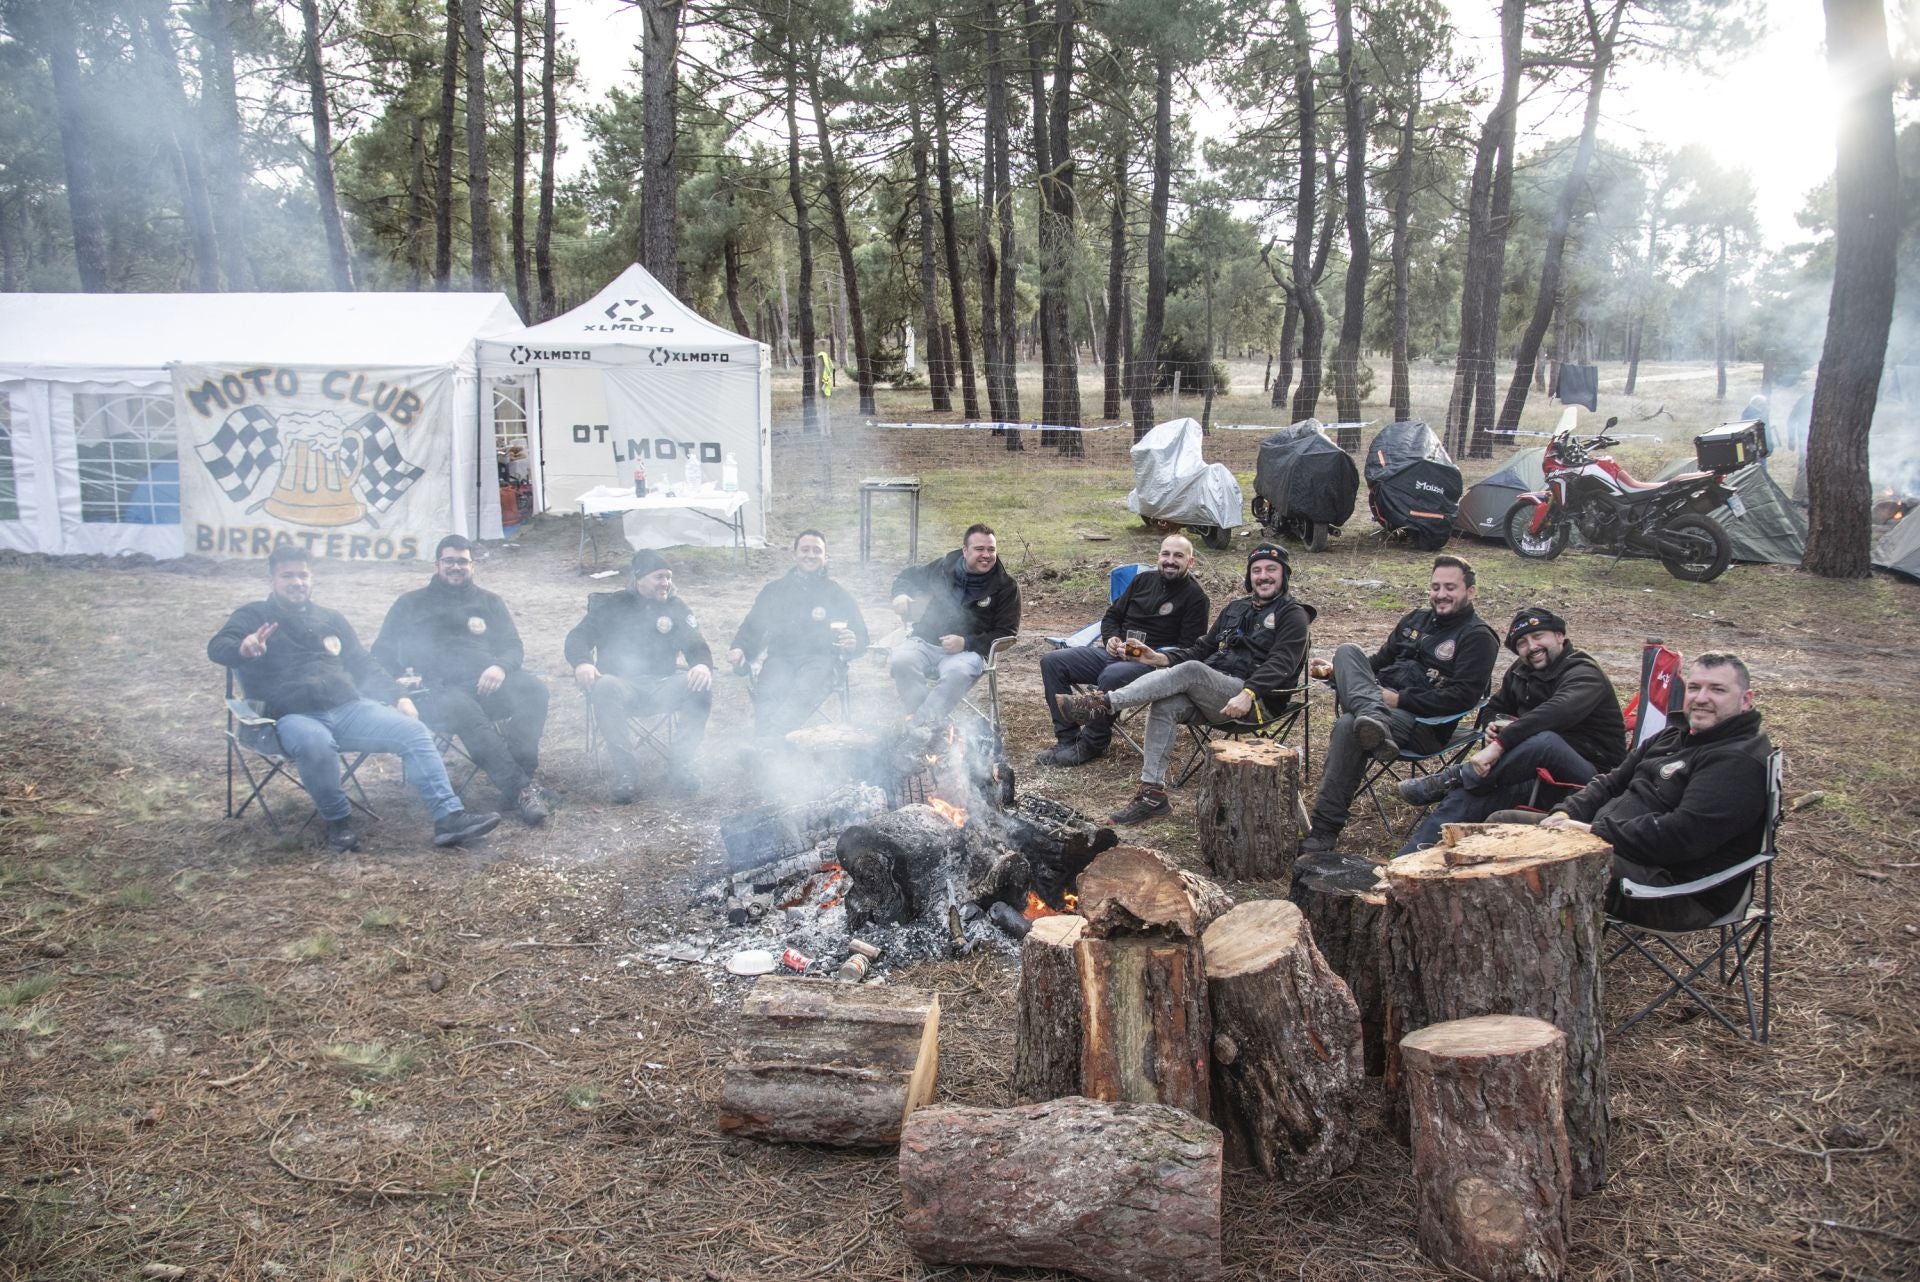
{"x": 958, "y": 607}
{"x": 460, "y": 639}
{"x": 1437, "y": 663}
{"x": 1167, "y": 609}
{"x": 1689, "y": 802}
{"x": 808, "y": 627}
{"x": 1555, "y": 709}
{"x": 1241, "y": 669}
{"x": 311, "y": 674}
{"x": 626, "y": 655}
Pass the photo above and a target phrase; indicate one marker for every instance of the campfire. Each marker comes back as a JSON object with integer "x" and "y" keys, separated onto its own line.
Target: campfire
{"x": 1889, "y": 508}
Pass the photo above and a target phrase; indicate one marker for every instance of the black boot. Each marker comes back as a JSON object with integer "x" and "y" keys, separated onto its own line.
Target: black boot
{"x": 463, "y": 825}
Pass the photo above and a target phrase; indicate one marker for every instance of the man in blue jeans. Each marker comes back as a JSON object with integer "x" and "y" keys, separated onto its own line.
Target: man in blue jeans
{"x": 1555, "y": 709}
{"x": 311, "y": 674}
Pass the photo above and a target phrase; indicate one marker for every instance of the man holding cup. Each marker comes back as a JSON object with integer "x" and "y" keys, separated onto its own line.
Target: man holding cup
{"x": 1158, "y": 611}
{"x": 807, "y": 627}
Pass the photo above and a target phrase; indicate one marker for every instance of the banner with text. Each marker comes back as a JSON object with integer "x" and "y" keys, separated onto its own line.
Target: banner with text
{"x": 349, "y": 463}
{"x": 665, "y": 419}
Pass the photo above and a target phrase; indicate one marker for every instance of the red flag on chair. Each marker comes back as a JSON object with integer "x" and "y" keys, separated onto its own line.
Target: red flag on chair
{"x": 1660, "y": 692}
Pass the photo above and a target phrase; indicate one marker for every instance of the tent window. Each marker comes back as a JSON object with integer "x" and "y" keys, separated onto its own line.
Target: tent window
{"x": 9, "y": 487}
{"x": 129, "y": 460}
{"x": 510, "y": 430}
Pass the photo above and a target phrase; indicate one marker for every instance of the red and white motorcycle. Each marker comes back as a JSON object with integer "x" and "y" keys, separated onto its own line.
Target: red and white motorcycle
{"x": 1588, "y": 491}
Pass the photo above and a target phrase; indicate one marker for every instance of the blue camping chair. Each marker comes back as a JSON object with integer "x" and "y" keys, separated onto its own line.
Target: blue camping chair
{"x": 1118, "y": 580}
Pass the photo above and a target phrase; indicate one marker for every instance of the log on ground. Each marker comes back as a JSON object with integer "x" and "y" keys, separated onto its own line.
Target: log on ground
{"x": 1287, "y": 1065}
{"x": 1344, "y": 899}
{"x": 1247, "y": 809}
{"x": 1506, "y": 922}
{"x": 1046, "y": 1049}
{"x": 1491, "y": 1170}
{"x": 1114, "y": 1192}
{"x": 827, "y": 1063}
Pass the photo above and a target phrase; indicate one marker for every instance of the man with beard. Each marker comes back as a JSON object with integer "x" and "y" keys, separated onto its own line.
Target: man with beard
{"x": 460, "y": 639}
{"x": 1685, "y": 804}
{"x": 1437, "y": 662}
{"x": 626, "y": 655}
{"x": 1239, "y": 670}
{"x": 808, "y": 627}
{"x": 1167, "y": 609}
{"x": 1555, "y": 709}
{"x": 957, "y": 607}
{"x": 311, "y": 674}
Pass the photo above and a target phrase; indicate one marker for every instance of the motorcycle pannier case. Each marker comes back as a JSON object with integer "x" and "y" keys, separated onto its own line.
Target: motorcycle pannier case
{"x": 1731, "y": 446}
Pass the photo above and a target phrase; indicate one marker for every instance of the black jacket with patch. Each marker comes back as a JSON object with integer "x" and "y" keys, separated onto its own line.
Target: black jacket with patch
{"x": 313, "y": 661}
{"x": 793, "y": 612}
{"x": 449, "y": 635}
{"x": 1571, "y": 697}
{"x": 1261, "y": 642}
{"x": 630, "y": 636}
{"x": 1171, "y": 614}
{"x": 1440, "y": 664}
{"x": 982, "y": 617}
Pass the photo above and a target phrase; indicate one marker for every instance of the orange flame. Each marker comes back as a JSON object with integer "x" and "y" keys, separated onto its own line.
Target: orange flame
{"x": 1037, "y": 907}
{"x": 951, "y": 813}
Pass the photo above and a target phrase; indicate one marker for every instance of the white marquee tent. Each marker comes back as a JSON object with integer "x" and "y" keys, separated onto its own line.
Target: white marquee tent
{"x": 636, "y": 377}
{"x": 95, "y": 390}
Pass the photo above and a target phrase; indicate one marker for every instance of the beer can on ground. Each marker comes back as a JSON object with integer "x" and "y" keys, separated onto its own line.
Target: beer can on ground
{"x": 794, "y": 959}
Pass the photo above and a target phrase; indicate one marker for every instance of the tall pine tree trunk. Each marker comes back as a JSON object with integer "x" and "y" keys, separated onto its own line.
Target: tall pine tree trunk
{"x": 220, "y": 116}
{"x": 659, "y": 184}
{"x": 416, "y": 247}
{"x": 549, "y": 150}
{"x": 1866, "y": 239}
{"x": 479, "y": 181}
{"x": 843, "y": 239}
{"x": 59, "y": 39}
{"x": 1302, "y": 284}
{"x": 1402, "y": 393}
{"x": 939, "y": 376}
{"x": 443, "y": 150}
{"x": 1005, "y": 324}
{"x": 155, "y": 54}
{"x": 1117, "y": 335}
{"x": 803, "y": 237}
{"x": 950, "y": 231}
{"x": 1721, "y": 340}
{"x": 517, "y": 230}
{"x": 323, "y": 186}
{"x": 1145, "y": 362}
{"x": 1488, "y": 199}
{"x": 1346, "y": 353}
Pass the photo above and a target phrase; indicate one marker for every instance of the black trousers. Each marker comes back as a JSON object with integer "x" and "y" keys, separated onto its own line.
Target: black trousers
{"x": 509, "y": 754}
{"x": 789, "y": 688}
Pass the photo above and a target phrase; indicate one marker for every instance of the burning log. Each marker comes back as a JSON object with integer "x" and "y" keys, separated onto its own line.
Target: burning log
{"x": 1509, "y": 925}
{"x": 1490, "y": 1160}
{"x": 1344, "y": 900}
{"x": 1287, "y": 1065}
{"x": 1046, "y": 1047}
{"x": 772, "y": 835}
{"x": 897, "y": 862}
{"x": 1058, "y": 842}
{"x": 1248, "y": 809}
{"x": 1115, "y": 1192}
{"x": 830, "y": 1063}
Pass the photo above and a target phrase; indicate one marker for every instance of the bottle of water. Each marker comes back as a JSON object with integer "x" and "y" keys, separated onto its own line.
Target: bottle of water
{"x": 693, "y": 472}
{"x": 730, "y": 474}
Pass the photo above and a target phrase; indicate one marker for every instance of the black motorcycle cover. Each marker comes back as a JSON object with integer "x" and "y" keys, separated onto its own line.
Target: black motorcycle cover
{"x": 1412, "y": 484}
{"x": 1304, "y": 475}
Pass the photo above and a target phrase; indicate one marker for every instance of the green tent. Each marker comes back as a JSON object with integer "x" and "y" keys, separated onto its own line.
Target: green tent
{"x": 1772, "y": 531}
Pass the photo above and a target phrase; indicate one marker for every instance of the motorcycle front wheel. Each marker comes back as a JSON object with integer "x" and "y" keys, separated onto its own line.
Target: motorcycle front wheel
{"x": 1694, "y": 548}
{"x": 1544, "y": 546}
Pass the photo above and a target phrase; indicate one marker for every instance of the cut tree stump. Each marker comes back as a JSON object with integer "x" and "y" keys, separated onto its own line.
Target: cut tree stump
{"x": 1287, "y": 1065}
{"x": 1491, "y": 1169}
{"x": 828, "y": 1063}
{"x": 1505, "y": 922}
{"x": 1115, "y": 1192}
{"x": 1133, "y": 888}
{"x": 1344, "y": 899}
{"x": 1046, "y": 1048}
{"x": 1248, "y": 809}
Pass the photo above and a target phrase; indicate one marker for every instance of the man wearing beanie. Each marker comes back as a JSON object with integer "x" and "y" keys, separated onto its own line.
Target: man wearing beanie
{"x": 1239, "y": 670}
{"x": 1555, "y": 710}
{"x": 956, "y": 608}
{"x": 1437, "y": 663}
{"x": 626, "y": 656}
{"x": 1167, "y": 608}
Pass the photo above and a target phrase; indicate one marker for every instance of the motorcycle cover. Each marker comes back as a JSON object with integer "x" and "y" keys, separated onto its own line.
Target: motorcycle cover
{"x": 1171, "y": 482}
{"x": 1305, "y": 475}
{"x": 1412, "y": 484}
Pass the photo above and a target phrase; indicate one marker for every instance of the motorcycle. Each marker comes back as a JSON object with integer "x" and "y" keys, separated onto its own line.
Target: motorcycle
{"x": 1588, "y": 491}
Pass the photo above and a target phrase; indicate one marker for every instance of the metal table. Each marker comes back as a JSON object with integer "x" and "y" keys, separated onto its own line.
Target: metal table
{"x": 601, "y": 502}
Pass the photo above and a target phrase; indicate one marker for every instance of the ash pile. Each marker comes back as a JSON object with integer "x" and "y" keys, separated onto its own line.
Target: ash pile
{"x": 925, "y": 853}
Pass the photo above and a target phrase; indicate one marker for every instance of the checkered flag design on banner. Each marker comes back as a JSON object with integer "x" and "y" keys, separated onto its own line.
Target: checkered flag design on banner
{"x": 387, "y": 475}
{"x": 244, "y": 448}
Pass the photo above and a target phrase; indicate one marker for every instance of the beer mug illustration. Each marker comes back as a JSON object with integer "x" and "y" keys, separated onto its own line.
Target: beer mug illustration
{"x": 317, "y": 473}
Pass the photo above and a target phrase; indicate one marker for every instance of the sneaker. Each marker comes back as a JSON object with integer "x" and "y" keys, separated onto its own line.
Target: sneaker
{"x": 532, "y": 805}
{"x": 1082, "y": 707}
{"x": 341, "y": 836}
{"x": 1070, "y": 753}
{"x": 1318, "y": 841}
{"x": 1148, "y": 803}
{"x": 1424, "y": 790}
{"x": 621, "y": 791}
{"x": 1375, "y": 738}
{"x": 463, "y": 825}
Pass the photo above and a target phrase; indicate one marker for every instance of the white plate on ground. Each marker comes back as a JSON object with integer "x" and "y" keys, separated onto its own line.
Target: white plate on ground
{"x": 751, "y": 961}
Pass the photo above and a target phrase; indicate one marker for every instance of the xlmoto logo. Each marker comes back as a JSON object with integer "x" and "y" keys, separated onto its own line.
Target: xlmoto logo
{"x": 524, "y": 355}
{"x": 662, "y": 356}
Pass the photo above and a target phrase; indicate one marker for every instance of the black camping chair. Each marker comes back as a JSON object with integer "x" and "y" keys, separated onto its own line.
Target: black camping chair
{"x": 836, "y": 698}
{"x": 1736, "y": 935}
{"x": 1295, "y": 712}
{"x": 650, "y": 731}
{"x": 1383, "y": 775}
{"x": 255, "y": 756}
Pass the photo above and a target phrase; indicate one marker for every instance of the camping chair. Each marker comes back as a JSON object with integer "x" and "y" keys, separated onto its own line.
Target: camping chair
{"x": 649, "y": 731}
{"x": 1736, "y": 935}
{"x": 991, "y": 676}
{"x": 1411, "y": 765}
{"x": 1297, "y": 710}
{"x": 839, "y": 691}
{"x": 1119, "y": 579}
{"x": 254, "y": 755}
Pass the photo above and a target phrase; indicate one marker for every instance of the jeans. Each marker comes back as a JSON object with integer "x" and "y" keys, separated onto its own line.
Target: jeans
{"x": 1189, "y": 691}
{"x": 315, "y": 741}
{"x": 1356, "y": 693}
{"x": 1509, "y": 784}
{"x": 509, "y": 755}
{"x": 789, "y": 688}
{"x": 915, "y": 662}
{"x": 614, "y": 699}
{"x": 1085, "y": 665}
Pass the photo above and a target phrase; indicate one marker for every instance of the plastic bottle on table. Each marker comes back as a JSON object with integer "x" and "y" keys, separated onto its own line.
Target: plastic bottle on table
{"x": 693, "y": 472}
{"x": 639, "y": 481}
{"x": 730, "y": 473}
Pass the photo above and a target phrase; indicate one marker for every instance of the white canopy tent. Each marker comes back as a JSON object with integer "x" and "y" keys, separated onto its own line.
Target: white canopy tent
{"x": 93, "y": 435}
{"x": 635, "y": 377}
